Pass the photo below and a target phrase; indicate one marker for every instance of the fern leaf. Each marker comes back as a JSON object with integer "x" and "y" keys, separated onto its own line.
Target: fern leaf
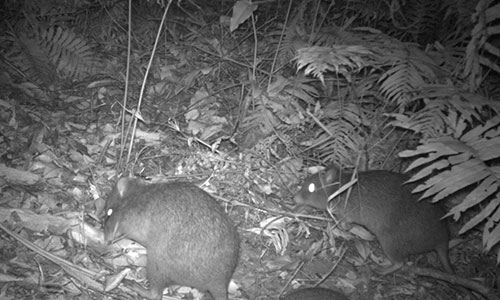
{"x": 459, "y": 164}
{"x": 71, "y": 55}
{"x": 401, "y": 82}
{"x": 341, "y": 134}
{"x": 33, "y": 61}
{"x": 339, "y": 59}
{"x": 491, "y": 232}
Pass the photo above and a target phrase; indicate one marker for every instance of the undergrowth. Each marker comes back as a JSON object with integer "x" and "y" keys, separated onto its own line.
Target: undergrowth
{"x": 421, "y": 81}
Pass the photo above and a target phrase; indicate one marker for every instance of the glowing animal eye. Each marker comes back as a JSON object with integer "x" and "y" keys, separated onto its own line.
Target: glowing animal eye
{"x": 312, "y": 187}
{"x": 109, "y": 212}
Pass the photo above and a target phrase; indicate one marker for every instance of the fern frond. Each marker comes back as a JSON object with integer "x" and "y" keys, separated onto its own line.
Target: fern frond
{"x": 71, "y": 55}
{"x": 33, "y": 61}
{"x": 44, "y": 56}
{"x": 461, "y": 163}
{"x": 401, "y": 82}
{"x": 341, "y": 135}
{"x": 486, "y": 20}
{"x": 339, "y": 59}
{"x": 447, "y": 111}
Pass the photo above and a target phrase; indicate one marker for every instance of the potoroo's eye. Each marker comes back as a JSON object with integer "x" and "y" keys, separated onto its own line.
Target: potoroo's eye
{"x": 311, "y": 188}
